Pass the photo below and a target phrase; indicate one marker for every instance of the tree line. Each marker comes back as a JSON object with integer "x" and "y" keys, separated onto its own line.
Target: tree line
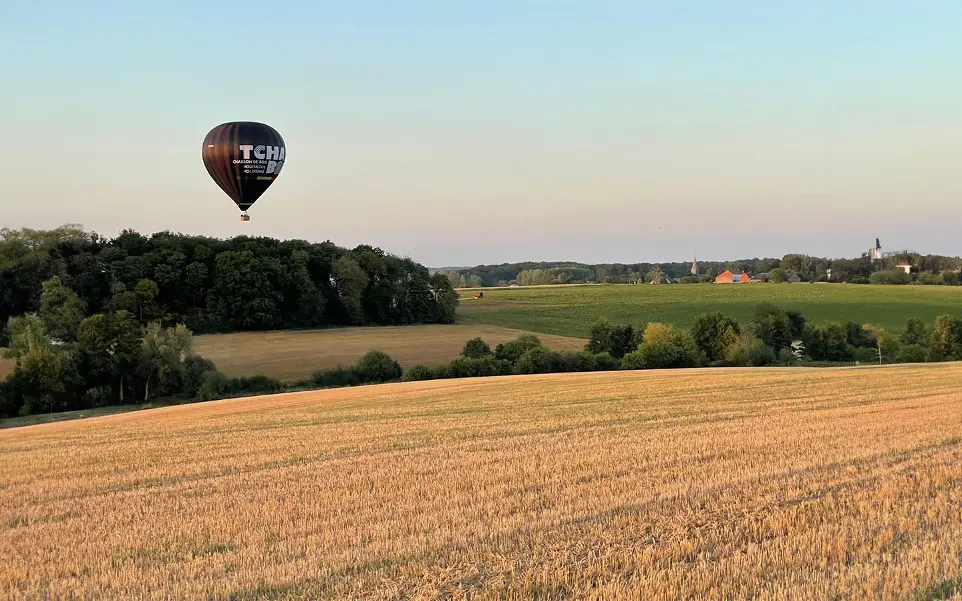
{"x": 924, "y": 269}
{"x": 112, "y": 360}
{"x": 211, "y": 285}
{"x": 771, "y": 337}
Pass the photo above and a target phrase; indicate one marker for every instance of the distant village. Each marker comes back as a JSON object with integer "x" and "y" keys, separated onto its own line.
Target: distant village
{"x": 728, "y": 277}
{"x": 872, "y": 266}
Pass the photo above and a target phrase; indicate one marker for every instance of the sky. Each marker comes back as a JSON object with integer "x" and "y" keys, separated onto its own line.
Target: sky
{"x": 461, "y": 133}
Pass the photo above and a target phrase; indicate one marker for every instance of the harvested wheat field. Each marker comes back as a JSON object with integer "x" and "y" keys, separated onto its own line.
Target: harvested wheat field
{"x": 703, "y": 484}
{"x": 289, "y": 355}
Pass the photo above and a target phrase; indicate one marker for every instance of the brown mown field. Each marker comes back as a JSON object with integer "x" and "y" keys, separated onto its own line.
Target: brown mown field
{"x": 289, "y": 355}
{"x": 683, "y": 484}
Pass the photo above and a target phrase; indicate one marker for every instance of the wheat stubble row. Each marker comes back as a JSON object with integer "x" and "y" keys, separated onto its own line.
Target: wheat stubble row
{"x": 707, "y": 484}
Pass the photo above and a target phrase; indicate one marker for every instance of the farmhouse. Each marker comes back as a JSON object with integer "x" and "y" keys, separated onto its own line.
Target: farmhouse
{"x": 727, "y": 277}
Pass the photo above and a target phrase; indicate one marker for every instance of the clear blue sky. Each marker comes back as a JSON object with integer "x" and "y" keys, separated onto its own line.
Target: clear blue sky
{"x": 469, "y": 132}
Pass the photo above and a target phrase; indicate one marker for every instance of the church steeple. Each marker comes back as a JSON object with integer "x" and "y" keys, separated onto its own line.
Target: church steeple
{"x": 694, "y": 265}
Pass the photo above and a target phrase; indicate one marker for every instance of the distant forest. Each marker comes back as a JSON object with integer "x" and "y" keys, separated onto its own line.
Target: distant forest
{"x": 925, "y": 269}
{"x": 214, "y": 285}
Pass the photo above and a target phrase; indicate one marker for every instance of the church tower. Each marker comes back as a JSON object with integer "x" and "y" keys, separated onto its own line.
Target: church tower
{"x": 694, "y": 266}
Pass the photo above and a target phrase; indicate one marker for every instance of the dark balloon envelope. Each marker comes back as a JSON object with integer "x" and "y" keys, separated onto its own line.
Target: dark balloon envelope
{"x": 244, "y": 158}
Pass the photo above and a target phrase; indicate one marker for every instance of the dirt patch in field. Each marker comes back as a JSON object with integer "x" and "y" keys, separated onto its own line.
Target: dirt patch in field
{"x": 290, "y": 355}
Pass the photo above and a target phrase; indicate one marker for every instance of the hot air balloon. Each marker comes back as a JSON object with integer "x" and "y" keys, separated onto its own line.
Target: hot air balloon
{"x": 244, "y": 158}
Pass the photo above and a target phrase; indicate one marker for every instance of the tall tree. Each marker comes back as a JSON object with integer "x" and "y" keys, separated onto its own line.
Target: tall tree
{"x": 445, "y": 299}
{"x": 61, "y": 310}
{"x": 351, "y": 282}
{"x": 162, "y": 357}
{"x": 44, "y": 370}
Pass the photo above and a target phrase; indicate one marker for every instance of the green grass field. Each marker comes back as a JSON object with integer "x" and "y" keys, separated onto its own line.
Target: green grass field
{"x": 571, "y": 310}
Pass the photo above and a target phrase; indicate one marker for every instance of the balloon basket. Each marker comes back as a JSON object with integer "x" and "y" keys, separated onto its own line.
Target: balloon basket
{"x": 245, "y": 217}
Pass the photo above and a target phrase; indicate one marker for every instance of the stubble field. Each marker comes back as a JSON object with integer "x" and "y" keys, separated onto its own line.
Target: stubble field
{"x": 294, "y": 354}
{"x": 572, "y": 310}
{"x": 710, "y": 484}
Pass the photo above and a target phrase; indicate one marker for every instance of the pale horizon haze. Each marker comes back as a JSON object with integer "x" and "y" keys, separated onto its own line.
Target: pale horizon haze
{"x": 503, "y": 131}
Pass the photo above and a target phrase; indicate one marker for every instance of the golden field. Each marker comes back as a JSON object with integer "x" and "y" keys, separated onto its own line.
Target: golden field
{"x": 294, "y": 354}
{"x": 701, "y": 484}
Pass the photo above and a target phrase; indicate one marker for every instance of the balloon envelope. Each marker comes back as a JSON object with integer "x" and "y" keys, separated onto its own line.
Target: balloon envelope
{"x": 244, "y": 158}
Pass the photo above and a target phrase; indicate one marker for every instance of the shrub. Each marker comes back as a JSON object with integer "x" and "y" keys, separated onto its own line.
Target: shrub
{"x": 98, "y": 396}
{"x": 211, "y": 386}
{"x": 894, "y": 276}
{"x": 567, "y": 362}
{"x": 605, "y": 362}
{"x": 575, "y": 361}
{"x": 476, "y": 348}
{"x": 441, "y": 372}
{"x": 749, "y": 351}
{"x": 252, "y": 385}
{"x": 418, "y": 373}
{"x": 786, "y": 357}
{"x": 858, "y": 336}
{"x": 636, "y": 359}
{"x": 466, "y": 367}
{"x": 377, "y": 366}
{"x": 910, "y": 353}
{"x": 196, "y": 369}
{"x": 334, "y": 377}
{"x": 866, "y": 355}
{"x": 538, "y": 360}
{"x": 677, "y": 350}
{"x": 615, "y": 340}
{"x": 512, "y": 350}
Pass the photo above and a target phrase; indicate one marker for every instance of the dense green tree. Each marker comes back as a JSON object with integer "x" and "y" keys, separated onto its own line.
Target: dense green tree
{"x": 512, "y": 350}
{"x": 915, "y": 332}
{"x": 614, "y": 340}
{"x": 162, "y": 358}
{"x": 109, "y": 348}
{"x": 713, "y": 333}
{"x": 351, "y": 281}
{"x": 772, "y": 325}
{"x": 61, "y": 310}
{"x": 45, "y": 372}
{"x": 537, "y": 360}
{"x": 748, "y": 351}
{"x": 445, "y": 299}
{"x": 377, "y": 366}
{"x": 663, "y": 347}
{"x": 476, "y": 348}
{"x": 946, "y": 339}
